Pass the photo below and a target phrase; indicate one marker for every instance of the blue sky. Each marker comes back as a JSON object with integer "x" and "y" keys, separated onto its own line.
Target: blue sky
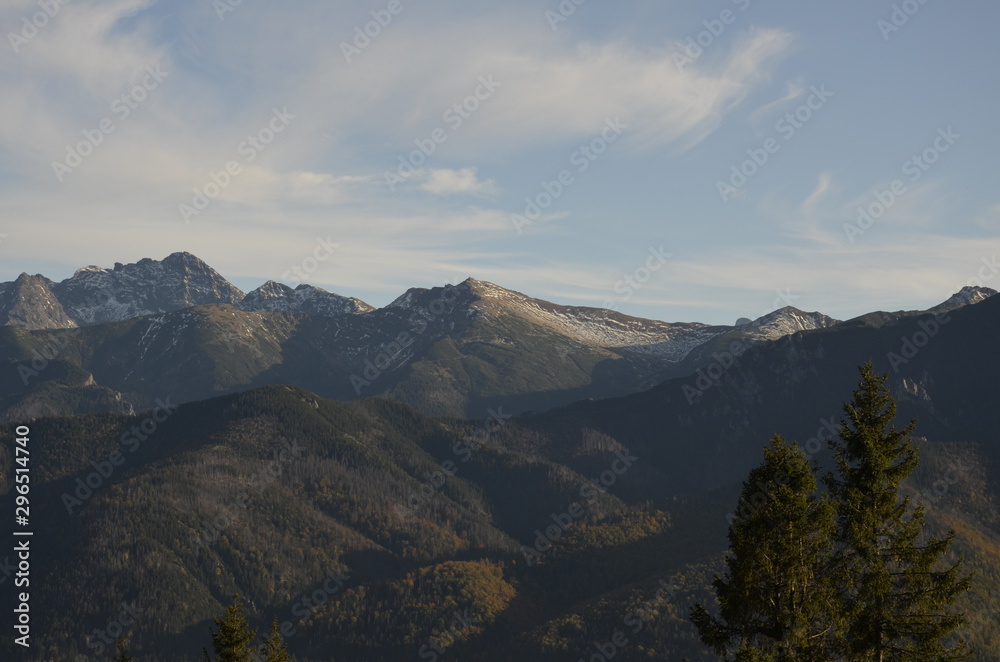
{"x": 662, "y": 211}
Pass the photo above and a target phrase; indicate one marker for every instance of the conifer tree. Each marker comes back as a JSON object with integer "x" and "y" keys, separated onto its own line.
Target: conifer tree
{"x": 123, "y": 655}
{"x": 893, "y": 600}
{"x": 273, "y": 649}
{"x": 775, "y": 600}
{"x": 233, "y": 640}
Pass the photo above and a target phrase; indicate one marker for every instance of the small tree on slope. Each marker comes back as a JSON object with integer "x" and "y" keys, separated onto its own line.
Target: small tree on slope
{"x": 273, "y": 649}
{"x": 233, "y": 640}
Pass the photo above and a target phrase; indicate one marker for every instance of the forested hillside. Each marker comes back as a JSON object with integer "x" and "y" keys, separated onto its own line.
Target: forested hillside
{"x": 375, "y": 531}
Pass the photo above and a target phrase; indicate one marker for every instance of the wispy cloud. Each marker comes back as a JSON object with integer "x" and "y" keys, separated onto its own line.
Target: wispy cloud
{"x": 550, "y": 93}
{"x": 451, "y": 182}
{"x": 222, "y": 86}
{"x": 793, "y": 90}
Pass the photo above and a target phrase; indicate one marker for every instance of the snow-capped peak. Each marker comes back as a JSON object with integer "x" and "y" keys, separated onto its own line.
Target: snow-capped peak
{"x": 967, "y": 296}
{"x": 786, "y": 321}
{"x": 304, "y": 299}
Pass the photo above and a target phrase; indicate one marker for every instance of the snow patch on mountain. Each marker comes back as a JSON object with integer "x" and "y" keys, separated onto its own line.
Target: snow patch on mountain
{"x": 304, "y": 299}
{"x": 784, "y": 322}
{"x": 95, "y": 295}
{"x": 596, "y": 326}
{"x": 967, "y": 296}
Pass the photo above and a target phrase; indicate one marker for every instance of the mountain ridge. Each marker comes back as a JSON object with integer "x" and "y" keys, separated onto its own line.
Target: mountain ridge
{"x": 90, "y": 295}
{"x": 455, "y": 350}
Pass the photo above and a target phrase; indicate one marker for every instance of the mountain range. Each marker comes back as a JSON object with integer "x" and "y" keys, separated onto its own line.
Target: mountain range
{"x": 95, "y": 295}
{"x": 532, "y": 481}
{"x": 118, "y": 339}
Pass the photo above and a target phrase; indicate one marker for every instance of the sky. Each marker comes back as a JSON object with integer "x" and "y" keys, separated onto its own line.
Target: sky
{"x": 681, "y": 161}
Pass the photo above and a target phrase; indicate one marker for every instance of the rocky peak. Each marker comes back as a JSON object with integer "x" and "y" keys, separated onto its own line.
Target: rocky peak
{"x": 304, "y": 299}
{"x": 967, "y": 296}
{"x": 29, "y": 303}
{"x": 786, "y": 321}
{"x": 95, "y": 295}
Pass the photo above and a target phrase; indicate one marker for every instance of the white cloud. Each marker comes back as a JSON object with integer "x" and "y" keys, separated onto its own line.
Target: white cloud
{"x": 793, "y": 91}
{"x": 67, "y": 75}
{"x": 551, "y": 90}
{"x": 451, "y": 182}
{"x": 323, "y": 175}
{"x": 923, "y": 269}
{"x": 816, "y": 197}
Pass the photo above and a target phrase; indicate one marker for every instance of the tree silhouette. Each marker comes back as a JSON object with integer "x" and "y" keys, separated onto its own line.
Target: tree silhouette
{"x": 233, "y": 640}
{"x": 273, "y": 649}
{"x": 849, "y": 575}
{"x": 775, "y": 599}
{"x": 893, "y": 601}
{"x": 123, "y": 655}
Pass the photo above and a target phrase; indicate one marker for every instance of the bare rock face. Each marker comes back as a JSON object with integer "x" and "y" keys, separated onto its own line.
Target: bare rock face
{"x": 304, "y": 299}
{"x": 30, "y": 303}
{"x": 95, "y": 295}
{"x": 965, "y": 297}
